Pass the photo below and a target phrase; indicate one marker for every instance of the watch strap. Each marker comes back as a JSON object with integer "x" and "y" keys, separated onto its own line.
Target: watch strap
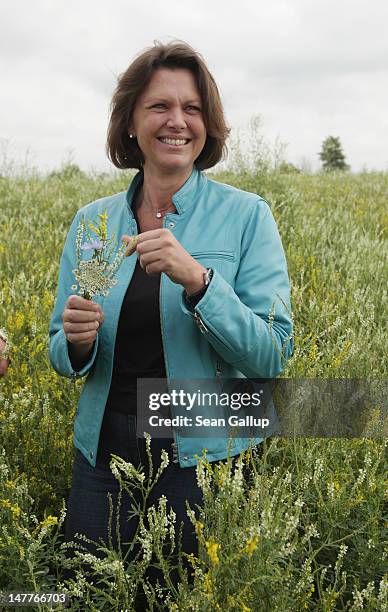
{"x": 193, "y": 299}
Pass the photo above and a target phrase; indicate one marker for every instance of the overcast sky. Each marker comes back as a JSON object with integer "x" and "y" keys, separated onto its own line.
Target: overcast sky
{"x": 310, "y": 68}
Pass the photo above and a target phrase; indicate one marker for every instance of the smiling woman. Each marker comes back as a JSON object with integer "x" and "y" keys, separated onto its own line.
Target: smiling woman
{"x": 203, "y": 293}
{"x": 123, "y": 150}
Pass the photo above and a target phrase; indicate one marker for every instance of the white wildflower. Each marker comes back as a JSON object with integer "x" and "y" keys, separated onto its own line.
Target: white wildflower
{"x": 287, "y": 477}
{"x": 342, "y": 552}
{"x": 318, "y": 469}
{"x": 383, "y": 594}
{"x": 361, "y": 477}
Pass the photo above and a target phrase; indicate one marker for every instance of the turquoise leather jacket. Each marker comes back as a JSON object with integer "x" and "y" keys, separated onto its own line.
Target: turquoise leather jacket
{"x": 240, "y": 328}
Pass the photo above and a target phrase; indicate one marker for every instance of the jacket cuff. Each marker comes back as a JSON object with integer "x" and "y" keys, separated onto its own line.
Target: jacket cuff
{"x": 192, "y": 300}
{"x": 188, "y": 306}
{"x": 60, "y": 358}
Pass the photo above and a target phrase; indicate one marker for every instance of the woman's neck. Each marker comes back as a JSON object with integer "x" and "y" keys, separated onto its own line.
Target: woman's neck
{"x": 159, "y": 189}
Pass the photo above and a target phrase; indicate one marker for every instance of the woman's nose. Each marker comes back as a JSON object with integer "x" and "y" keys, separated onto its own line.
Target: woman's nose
{"x": 176, "y": 119}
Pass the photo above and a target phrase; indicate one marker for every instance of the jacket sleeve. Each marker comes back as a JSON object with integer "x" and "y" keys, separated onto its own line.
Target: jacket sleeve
{"x": 250, "y": 324}
{"x": 58, "y": 347}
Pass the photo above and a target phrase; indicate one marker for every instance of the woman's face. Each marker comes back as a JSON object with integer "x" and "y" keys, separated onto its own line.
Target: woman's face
{"x": 168, "y": 124}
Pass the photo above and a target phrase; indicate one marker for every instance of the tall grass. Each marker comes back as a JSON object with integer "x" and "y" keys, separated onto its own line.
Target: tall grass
{"x": 297, "y": 525}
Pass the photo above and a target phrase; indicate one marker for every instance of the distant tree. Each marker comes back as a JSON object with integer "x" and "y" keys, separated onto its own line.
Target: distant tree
{"x": 332, "y": 156}
{"x": 67, "y": 171}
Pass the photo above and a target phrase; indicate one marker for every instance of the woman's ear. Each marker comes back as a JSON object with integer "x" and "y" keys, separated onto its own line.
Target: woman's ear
{"x": 131, "y": 130}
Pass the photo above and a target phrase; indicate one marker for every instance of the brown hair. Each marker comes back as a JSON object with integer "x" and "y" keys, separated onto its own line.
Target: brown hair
{"x": 123, "y": 151}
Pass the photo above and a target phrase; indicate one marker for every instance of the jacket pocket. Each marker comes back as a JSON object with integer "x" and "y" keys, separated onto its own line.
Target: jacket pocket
{"x": 228, "y": 255}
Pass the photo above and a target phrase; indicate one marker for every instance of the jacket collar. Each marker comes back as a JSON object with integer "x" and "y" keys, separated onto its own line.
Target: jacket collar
{"x": 183, "y": 199}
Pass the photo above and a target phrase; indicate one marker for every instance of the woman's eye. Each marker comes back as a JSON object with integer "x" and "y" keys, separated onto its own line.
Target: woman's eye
{"x": 158, "y": 105}
{"x": 194, "y": 108}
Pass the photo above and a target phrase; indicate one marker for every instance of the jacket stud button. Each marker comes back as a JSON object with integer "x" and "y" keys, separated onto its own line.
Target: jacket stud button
{"x": 91, "y": 454}
{"x": 171, "y": 224}
{"x": 185, "y": 457}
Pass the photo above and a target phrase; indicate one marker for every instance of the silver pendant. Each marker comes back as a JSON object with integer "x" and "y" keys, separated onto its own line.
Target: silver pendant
{"x": 158, "y": 215}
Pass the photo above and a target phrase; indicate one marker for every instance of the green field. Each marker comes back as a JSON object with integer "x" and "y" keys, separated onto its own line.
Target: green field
{"x": 299, "y": 525}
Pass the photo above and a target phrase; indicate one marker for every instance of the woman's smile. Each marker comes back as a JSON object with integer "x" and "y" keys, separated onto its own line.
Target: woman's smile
{"x": 175, "y": 142}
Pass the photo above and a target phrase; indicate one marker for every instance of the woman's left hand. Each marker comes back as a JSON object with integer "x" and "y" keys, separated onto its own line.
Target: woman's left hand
{"x": 159, "y": 251}
{"x": 4, "y": 362}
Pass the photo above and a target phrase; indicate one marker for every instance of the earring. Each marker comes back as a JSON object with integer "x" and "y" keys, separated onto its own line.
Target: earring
{"x": 132, "y": 135}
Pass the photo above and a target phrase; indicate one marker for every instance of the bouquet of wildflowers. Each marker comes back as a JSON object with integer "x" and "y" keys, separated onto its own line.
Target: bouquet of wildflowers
{"x": 95, "y": 276}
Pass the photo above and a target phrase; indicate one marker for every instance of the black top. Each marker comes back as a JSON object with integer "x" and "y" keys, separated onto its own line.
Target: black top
{"x": 138, "y": 348}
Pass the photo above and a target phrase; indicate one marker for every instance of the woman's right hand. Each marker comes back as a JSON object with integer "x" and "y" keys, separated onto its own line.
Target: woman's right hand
{"x": 81, "y": 320}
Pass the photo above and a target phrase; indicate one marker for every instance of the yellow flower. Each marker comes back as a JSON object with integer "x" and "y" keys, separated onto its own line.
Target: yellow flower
{"x": 313, "y": 352}
{"x": 192, "y": 559}
{"x": 49, "y": 520}
{"x": 199, "y": 528}
{"x": 337, "y": 361}
{"x": 245, "y": 608}
{"x": 93, "y": 227}
{"x": 103, "y": 227}
{"x": 47, "y": 299}
{"x": 208, "y": 584}
{"x": 18, "y": 321}
{"x": 14, "y": 509}
{"x": 250, "y": 546}
{"x": 212, "y": 551}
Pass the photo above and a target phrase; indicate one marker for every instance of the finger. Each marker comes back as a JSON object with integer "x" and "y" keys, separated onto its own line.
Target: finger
{"x": 154, "y": 244}
{"x": 150, "y": 258}
{"x": 80, "y": 328}
{"x": 152, "y": 264}
{"x": 77, "y": 302}
{"x": 3, "y": 366}
{"x": 80, "y": 316}
{"x": 100, "y": 315}
{"x": 153, "y": 234}
{"x": 84, "y": 338}
{"x": 155, "y": 268}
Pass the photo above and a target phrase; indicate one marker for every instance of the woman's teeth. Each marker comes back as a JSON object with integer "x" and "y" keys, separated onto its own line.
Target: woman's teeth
{"x": 174, "y": 141}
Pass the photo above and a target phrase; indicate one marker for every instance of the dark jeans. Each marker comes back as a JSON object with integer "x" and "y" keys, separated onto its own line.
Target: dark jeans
{"x": 88, "y": 508}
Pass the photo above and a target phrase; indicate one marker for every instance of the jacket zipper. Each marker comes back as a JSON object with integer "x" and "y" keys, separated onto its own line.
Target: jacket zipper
{"x": 174, "y": 444}
{"x": 218, "y": 376}
{"x": 202, "y": 327}
{"x": 218, "y": 370}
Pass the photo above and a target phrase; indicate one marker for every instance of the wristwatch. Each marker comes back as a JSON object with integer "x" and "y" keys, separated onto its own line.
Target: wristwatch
{"x": 207, "y": 276}
{"x": 195, "y": 297}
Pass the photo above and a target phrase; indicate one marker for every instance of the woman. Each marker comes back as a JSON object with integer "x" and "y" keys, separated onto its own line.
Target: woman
{"x": 205, "y": 296}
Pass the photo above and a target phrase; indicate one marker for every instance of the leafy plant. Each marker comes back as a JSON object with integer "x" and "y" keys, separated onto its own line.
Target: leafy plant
{"x": 332, "y": 156}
